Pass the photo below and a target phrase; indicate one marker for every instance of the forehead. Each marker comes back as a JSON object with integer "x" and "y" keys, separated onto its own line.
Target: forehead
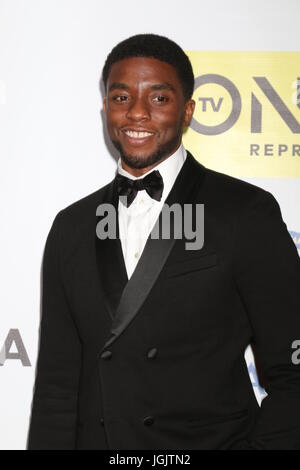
{"x": 143, "y": 70}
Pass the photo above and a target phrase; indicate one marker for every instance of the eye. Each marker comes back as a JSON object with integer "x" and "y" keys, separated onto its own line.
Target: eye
{"x": 160, "y": 99}
{"x": 119, "y": 98}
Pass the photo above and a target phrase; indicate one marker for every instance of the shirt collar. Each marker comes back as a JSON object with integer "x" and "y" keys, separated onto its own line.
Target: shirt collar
{"x": 169, "y": 169}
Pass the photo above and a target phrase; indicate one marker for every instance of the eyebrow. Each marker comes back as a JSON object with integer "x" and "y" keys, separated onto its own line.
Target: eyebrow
{"x": 158, "y": 86}
{"x": 163, "y": 86}
{"x": 118, "y": 86}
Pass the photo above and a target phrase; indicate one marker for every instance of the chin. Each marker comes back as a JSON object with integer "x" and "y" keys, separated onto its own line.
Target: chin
{"x": 143, "y": 157}
{"x": 138, "y": 161}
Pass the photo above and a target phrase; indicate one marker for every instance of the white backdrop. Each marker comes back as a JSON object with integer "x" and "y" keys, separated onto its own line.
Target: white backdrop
{"x": 52, "y": 146}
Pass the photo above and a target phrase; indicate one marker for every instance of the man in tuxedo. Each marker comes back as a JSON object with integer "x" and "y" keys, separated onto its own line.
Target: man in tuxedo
{"x": 142, "y": 340}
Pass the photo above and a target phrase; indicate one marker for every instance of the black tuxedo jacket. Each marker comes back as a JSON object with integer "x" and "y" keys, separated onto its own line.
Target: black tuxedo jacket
{"x": 157, "y": 362}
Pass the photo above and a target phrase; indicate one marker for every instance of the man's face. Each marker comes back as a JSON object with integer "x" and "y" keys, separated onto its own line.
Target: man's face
{"x": 146, "y": 111}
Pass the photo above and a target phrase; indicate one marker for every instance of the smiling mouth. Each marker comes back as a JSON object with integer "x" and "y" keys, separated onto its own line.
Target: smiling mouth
{"x": 138, "y": 135}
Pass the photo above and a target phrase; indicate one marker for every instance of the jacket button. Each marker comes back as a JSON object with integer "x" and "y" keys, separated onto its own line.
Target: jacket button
{"x": 152, "y": 353}
{"x": 102, "y": 421}
{"x": 148, "y": 421}
{"x": 106, "y": 355}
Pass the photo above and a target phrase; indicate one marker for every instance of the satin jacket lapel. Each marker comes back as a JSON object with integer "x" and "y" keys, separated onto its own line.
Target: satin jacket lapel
{"x": 110, "y": 261}
{"x": 155, "y": 253}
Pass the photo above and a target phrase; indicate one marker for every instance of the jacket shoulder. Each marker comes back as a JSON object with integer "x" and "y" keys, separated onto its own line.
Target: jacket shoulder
{"x": 86, "y": 205}
{"x": 232, "y": 191}
{"x": 226, "y": 188}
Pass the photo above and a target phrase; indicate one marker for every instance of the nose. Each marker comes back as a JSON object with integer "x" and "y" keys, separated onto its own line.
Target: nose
{"x": 138, "y": 111}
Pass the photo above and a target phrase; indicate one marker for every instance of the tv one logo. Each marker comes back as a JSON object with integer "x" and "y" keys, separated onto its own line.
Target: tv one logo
{"x": 209, "y": 103}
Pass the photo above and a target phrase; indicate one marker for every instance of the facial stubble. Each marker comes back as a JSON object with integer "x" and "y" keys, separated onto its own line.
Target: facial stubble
{"x": 164, "y": 150}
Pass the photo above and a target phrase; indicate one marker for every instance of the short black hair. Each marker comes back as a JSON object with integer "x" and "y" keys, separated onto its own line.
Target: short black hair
{"x": 157, "y": 47}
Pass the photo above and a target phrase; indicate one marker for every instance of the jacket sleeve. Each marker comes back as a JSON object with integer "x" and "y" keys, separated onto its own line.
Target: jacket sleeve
{"x": 267, "y": 274}
{"x": 54, "y": 405}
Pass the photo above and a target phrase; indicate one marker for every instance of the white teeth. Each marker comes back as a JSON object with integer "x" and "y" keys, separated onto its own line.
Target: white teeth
{"x": 138, "y": 135}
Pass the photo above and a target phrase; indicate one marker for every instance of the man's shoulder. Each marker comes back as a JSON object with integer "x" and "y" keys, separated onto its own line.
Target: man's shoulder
{"x": 85, "y": 208}
{"x": 232, "y": 191}
{"x": 225, "y": 185}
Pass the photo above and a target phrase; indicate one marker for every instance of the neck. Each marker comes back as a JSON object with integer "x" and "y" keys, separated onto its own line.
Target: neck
{"x": 140, "y": 171}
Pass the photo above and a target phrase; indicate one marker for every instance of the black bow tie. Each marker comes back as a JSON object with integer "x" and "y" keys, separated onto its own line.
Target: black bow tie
{"x": 152, "y": 183}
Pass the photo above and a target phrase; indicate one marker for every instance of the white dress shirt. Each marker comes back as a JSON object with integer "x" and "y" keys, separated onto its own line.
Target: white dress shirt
{"x": 137, "y": 220}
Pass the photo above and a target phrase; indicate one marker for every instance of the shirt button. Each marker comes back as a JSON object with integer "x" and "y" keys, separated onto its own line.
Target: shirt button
{"x": 106, "y": 355}
{"x": 102, "y": 421}
{"x": 136, "y": 255}
{"x": 148, "y": 421}
{"x": 152, "y": 353}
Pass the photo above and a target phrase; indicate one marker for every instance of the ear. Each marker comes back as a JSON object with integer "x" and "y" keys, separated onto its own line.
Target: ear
{"x": 104, "y": 105}
{"x": 188, "y": 112}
